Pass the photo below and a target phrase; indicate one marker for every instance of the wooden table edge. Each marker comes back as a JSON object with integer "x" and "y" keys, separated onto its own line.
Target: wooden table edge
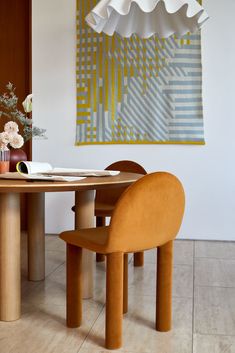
{"x": 89, "y": 183}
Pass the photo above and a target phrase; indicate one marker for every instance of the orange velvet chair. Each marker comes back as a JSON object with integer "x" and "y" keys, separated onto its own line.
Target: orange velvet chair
{"x": 106, "y": 199}
{"x": 147, "y": 215}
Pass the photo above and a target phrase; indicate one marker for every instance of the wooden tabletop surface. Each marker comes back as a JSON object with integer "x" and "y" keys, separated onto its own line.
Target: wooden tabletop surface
{"x": 90, "y": 183}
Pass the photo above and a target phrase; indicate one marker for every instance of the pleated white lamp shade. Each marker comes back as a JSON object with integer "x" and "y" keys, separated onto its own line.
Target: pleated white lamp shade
{"x": 147, "y": 17}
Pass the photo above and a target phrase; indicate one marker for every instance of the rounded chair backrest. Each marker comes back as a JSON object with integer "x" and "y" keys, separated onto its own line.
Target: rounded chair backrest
{"x": 112, "y": 195}
{"x": 148, "y": 214}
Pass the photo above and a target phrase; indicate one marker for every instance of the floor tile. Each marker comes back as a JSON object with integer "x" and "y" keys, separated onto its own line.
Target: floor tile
{"x": 102, "y": 350}
{"x": 54, "y": 243}
{"x": 54, "y": 255}
{"x": 150, "y": 256}
{"x": 183, "y": 281}
{"x": 142, "y": 280}
{"x": 53, "y": 260}
{"x": 43, "y": 329}
{"x": 50, "y": 291}
{"x": 213, "y": 344}
{"x": 100, "y": 282}
{"x": 214, "y": 310}
{"x": 139, "y": 334}
{"x": 217, "y": 249}
{"x": 214, "y": 272}
{"x": 183, "y": 253}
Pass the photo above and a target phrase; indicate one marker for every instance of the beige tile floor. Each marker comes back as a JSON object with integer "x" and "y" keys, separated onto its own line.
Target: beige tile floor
{"x": 203, "y": 306}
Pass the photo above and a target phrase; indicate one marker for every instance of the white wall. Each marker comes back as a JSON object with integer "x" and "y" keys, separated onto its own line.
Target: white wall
{"x": 207, "y": 172}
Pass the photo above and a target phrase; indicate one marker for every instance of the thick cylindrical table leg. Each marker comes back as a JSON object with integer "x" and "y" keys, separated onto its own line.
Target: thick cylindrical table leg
{"x": 100, "y": 257}
{"x": 100, "y": 222}
{"x": 84, "y": 218}
{"x": 36, "y": 236}
{"x": 164, "y": 287}
{"x": 9, "y": 257}
{"x": 114, "y": 301}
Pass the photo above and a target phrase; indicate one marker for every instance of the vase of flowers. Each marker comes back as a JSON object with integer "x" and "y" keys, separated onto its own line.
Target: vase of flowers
{"x": 19, "y": 129}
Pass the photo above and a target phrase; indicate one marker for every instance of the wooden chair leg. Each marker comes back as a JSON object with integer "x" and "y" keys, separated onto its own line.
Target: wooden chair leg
{"x": 74, "y": 286}
{"x": 100, "y": 257}
{"x": 100, "y": 222}
{"x": 139, "y": 259}
{"x": 164, "y": 287}
{"x": 114, "y": 301}
{"x": 125, "y": 284}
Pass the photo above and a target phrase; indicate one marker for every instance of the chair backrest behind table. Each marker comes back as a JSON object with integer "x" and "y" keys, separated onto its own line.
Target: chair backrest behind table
{"x": 111, "y": 196}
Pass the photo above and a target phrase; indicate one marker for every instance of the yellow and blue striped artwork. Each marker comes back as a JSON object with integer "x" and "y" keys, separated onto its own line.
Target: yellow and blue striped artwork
{"x": 137, "y": 91}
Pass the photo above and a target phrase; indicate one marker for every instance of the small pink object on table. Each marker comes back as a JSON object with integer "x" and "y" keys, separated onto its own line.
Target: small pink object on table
{"x": 4, "y": 167}
{"x": 4, "y": 161}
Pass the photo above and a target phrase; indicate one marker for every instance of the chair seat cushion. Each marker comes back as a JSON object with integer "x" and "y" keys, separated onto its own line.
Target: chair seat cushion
{"x": 94, "y": 239}
{"x": 103, "y": 209}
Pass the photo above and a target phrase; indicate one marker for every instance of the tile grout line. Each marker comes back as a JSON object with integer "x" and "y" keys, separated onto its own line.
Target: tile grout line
{"x": 222, "y": 287}
{"x": 214, "y": 335}
{"x": 38, "y": 283}
{"x": 59, "y": 251}
{"x": 54, "y": 270}
{"x": 91, "y": 328}
{"x": 215, "y": 258}
{"x": 175, "y": 264}
{"x": 193, "y": 298}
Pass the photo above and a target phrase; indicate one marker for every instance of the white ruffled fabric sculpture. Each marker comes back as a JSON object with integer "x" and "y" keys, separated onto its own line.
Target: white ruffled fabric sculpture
{"x": 147, "y": 17}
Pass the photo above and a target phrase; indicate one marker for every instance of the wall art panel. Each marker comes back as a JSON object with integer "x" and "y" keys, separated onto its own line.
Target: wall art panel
{"x": 136, "y": 91}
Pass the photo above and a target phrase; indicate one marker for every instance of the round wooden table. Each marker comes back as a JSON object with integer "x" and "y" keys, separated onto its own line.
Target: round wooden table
{"x": 10, "y": 191}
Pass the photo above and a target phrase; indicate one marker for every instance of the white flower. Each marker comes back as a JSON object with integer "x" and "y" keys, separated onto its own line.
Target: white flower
{"x": 16, "y": 141}
{"x": 3, "y": 147}
{"x": 11, "y": 127}
{"x": 28, "y": 103}
{"x": 4, "y": 138}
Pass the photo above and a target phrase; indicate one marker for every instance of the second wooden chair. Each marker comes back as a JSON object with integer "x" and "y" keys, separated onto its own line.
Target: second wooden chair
{"x": 106, "y": 199}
